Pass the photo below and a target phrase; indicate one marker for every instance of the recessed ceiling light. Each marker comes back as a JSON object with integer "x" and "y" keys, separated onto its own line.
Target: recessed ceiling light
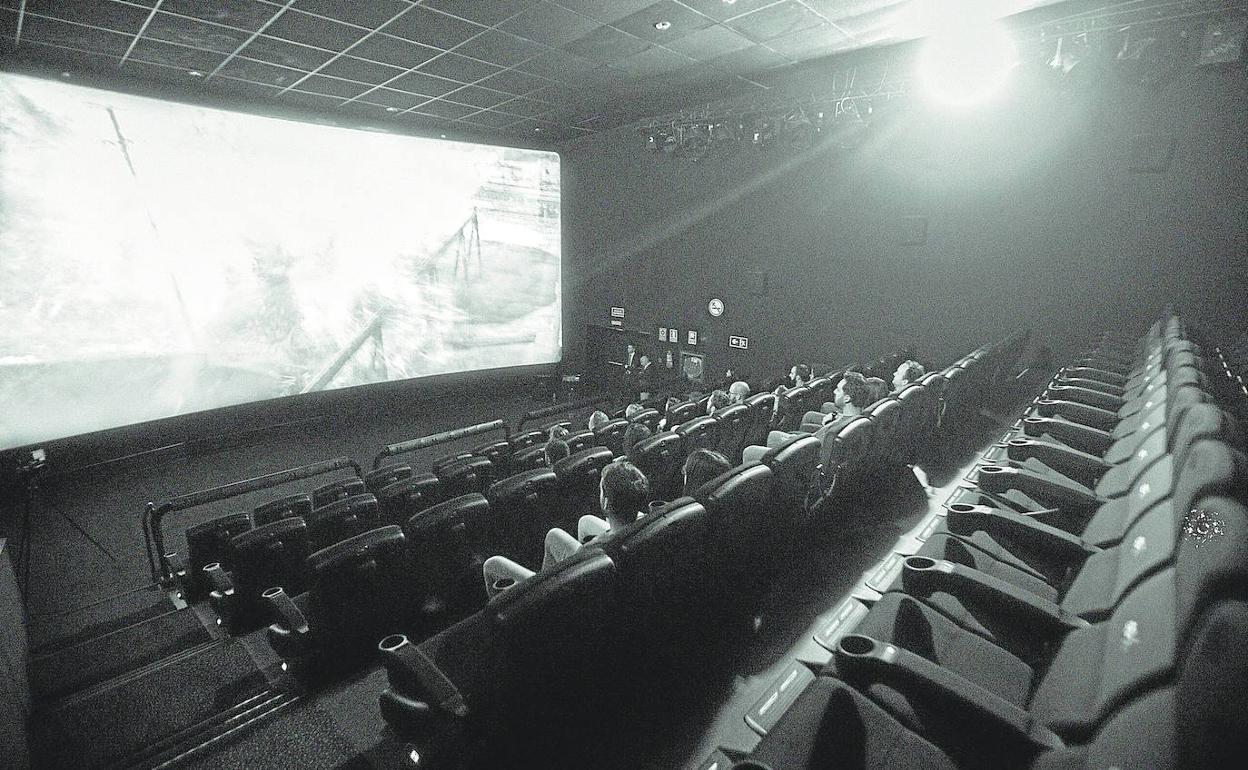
{"x": 537, "y": 128}
{"x": 729, "y": 2}
{"x": 662, "y": 25}
{"x": 443, "y": 136}
{"x": 195, "y": 74}
{"x": 392, "y": 109}
{"x": 66, "y": 75}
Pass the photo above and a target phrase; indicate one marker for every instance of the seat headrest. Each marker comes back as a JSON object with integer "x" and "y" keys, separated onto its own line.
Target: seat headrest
{"x": 340, "y": 488}
{"x": 587, "y": 461}
{"x": 230, "y": 521}
{"x": 683, "y": 519}
{"x": 465, "y": 466}
{"x": 522, "y": 484}
{"x": 418, "y": 486}
{"x": 376, "y": 544}
{"x": 646, "y": 415}
{"x": 260, "y": 537}
{"x": 618, "y": 425}
{"x": 386, "y": 475}
{"x": 660, "y": 444}
{"x": 291, "y": 505}
{"x": 448, "y": 513}
{"x": 526, "y": 439}
{"x": 697, "y": 425}
{"x": 743, "y": 485}
{"x": 796, "y": 448}
{"x": 732, "y": 414}
{"x": 353, "y": 504}
{"x": 583, "y": 580}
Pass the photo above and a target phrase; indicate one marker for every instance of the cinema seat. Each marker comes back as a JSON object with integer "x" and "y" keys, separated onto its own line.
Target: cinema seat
{"x": 443, "y": 462}
{"x": 343, "y": 519}
{"x": 844, "y": 457}
{"x": 466, "y": 475}
{"x": 272, "y": 555}
{"x": 611, "y": 435}
{"x": 498, "y": 453}
{"x": 528, "y": 459}
{"x": 885, "y": 416}
{"x": 337, "y": 490}
{"x": 699, "y": 433}
{"x": 762, "y": 411}
{"x": 581, "y": 439}
{"x": 743, "y": 528}
{"x": 523, "y": 508}
{"x": 380, "y": 478}
{"x": 734, "y": 424}
{"x": 795, "y": 471}
{"x": 209, "y": 542}
{"x": 649, "y": 418}
{"x": 579, "y": 475}
{"x": 526, "y": 439}
{"x": 682, "y": 413}
{"x": 792, "y": 405}
{"x": 405, "y": 498}
{"x": 359, "y": 591}
{"x": 447, "y": 544}
{"x": 283, "y": 508}
{"x": 661, "y": 458}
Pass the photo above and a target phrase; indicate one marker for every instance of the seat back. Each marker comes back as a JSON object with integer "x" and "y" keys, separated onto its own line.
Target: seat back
{"x": 273, "y": 555}
{"x": 582, "y": 439}
{"x": 466, "y": 475}
{"x": 447, "y": 544}
{"x": 734, "y": 423}
{"x": 611, "y": 435}
{"x": 649, "y": 418}
{"x": 498, "y": 453}
{"x": 699, "y": 433}
{"x": 337, "y": 490}
{"x": 380, "y": 478}
{"x": 440, "y": 464}
{"x": 209, "y": 542}
{"x": 361, "y": 590}
{"x": 845, "y": 454}
{"x": 795, "y": 470}
{"x": 885, "y": 414}
{"x": 741, "y": 511}
{"x": 527, "y": 439}
{"x": 792, "y": 405}
{"x": 521, "y": 512}
{"x": 407, "y": 497}
{"x": 282, "y": 508}
{"x": 762, "y": 410}
{"x": 528, "y": 459}
{"x": 681, "y": 413}
{"x": 579, "y": 475}
{"x": 660, "y": 458}
{"x": 343, "y": 519}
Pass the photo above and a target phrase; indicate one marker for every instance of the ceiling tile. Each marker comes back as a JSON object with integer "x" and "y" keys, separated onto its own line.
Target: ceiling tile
{"x": 181, "y": 57}
{"x": 352, "y": 68}
{"x": 369, "y": 14}
{"x": 243, "y": 88}
{"x": 653, "y": 61}
{"x": 421, "y": 25}
{"x": 720, "y": 10}
{"x": 750, "y": 60}
{"x": 420, "y": 83}
{"x": 96, "y": 13}
{"x": 315, "y": 101}
{"x": 315, "y": 31}
{"x": 244, "y": 14}
{"x": 319, "y": 84}
{"x": 383, "y": 48}
{"x": 136, "y": 68}
{"x": 456, "y": 67}
{"x": 260, "y": 72}
{"x": 550, "y": 24}
{"x": 445, "y": 109}
{"x": 488, "y": 12}
{"x": 810, "y": 43}
{"x": 35, "y": 28}
{"x": 210, "y": 37}
{"x": 388, "y": 97}
{"x": 783, "y": 18}
{"x": 500, "y": 48}
{"x": 682, "y": 21}
{"x": 605, "y": 11}
{"x": 557, "y": 65}
{"x": 527, "y": 108}
{"x": 710, "y": 42}
{"x": 478, "y": 97}
{"x": 285, "y": 53}
{"x": 515, "y": 82}
{"x": 491, "y": 119}
{"x": 606, "y": 45}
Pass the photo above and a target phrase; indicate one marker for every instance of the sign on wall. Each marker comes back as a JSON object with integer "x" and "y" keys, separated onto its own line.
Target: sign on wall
{"x": 617, "y": 312}
{"x": 715, "y": 307}
{"x": 740, "y": 343}
{"x": 693, "y": 337}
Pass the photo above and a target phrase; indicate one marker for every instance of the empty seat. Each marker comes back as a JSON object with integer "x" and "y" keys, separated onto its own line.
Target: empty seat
{"x": 447, "y": 544}
{"x": 282, "y": 508}
{"x": 844, "y": 457}
{"x": 649, "y": 418}
{"x": 579, "y": 475}
{"x": 528, "y": 459}
{"x": 581, "y": 439}
{"x": 795, "y": 471}
{"x": 522, "y": 509}
{"x": 762, "y": 409}
{"x": 343, "y": 519}
{"x": 466, "y": 475}
{"x": 661, "y": 458}
{"x": 405, "y": 498}
{"x": 681, "y": 413}
{"x": 699, "y": 433}
{"x": 441, "y": 463}
{"x": 379, "y": 478}
{"x": 337, "y": 490}
{"x": 885, "y": 416}
{"x": 209, "y": 542}
{"x": 498, "y": 453}
{"x": 526, "y": 439}
{"x": 264, "y": 557}
{"x": 743, "y": 526}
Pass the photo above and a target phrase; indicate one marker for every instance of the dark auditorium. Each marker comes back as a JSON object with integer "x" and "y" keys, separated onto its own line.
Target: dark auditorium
{"x": 623, "y": 384}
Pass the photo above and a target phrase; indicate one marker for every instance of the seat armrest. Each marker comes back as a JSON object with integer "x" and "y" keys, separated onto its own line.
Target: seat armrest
{"x": 290, "y": 634}
{"x": 964, "y": 519}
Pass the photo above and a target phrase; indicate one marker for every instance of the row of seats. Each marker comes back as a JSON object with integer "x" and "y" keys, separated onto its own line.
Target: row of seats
{"x": 1079, "y": 603}
{"x": 545, "y": 650}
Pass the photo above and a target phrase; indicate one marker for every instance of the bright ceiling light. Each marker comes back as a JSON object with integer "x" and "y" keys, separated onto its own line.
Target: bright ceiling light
{"x": 967, "y": 63}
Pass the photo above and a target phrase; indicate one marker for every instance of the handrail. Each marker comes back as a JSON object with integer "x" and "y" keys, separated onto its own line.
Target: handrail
{"x": 153, "y": 515}
{"x": 444, "y": 437}
{"x": 566, "y": 406}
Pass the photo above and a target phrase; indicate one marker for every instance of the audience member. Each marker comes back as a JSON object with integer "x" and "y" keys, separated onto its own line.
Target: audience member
{"x": 557, "y": 431}
{"x": 878, "y": 388}
{"x": 907, "y": 372}
{"x": 738, "y": 391}
{"x": 851, "y": 396}
{"x": 799, "y": 375}
{"x": 632, "y": 434}
{"x": 598, "y": 419}
{"x": 701, "y": 466}
{"x": 554, "y": 451}
{"x": 718, "y": 400}
{"x": 623, "y": 496}
{"x": 631, "y": 411}
{"x": 672, "y": 401}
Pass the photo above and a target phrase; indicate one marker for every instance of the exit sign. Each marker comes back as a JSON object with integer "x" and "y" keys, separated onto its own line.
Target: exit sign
{"x": 617, "y": 312}
{"x": 740, "y": 343}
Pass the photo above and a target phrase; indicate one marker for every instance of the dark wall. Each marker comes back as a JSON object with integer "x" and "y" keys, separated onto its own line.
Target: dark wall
{"x": 1034, "y": 218}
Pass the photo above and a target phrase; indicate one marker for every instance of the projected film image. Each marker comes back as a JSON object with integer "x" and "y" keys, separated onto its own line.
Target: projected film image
{"x": 160, "y": 258}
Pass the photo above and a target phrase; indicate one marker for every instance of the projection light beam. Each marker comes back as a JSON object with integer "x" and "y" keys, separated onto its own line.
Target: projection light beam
{"x": 966, "y": 60}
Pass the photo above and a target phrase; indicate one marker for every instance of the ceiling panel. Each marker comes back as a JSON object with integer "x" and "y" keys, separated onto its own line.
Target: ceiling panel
{"x": 567, "y": 67}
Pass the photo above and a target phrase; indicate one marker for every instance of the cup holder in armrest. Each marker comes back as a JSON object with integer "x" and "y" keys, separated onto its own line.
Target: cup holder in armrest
{"x": 856, "y": 645}
{"x": 392, "y": 643}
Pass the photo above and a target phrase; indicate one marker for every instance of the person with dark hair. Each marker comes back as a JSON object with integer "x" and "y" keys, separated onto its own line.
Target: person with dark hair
{"x": 908, "y": 371}
{"x": 555, "y": 451}
{"x": 701, "y": 466}
{"x": 799, "y": 375}
{"x": 851, "y": 396}
{"x": 634, "y": 433}
{"x": 623, "y": 495}
{"x": 718, "y": 400}
{"x": 598, "y": 419}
